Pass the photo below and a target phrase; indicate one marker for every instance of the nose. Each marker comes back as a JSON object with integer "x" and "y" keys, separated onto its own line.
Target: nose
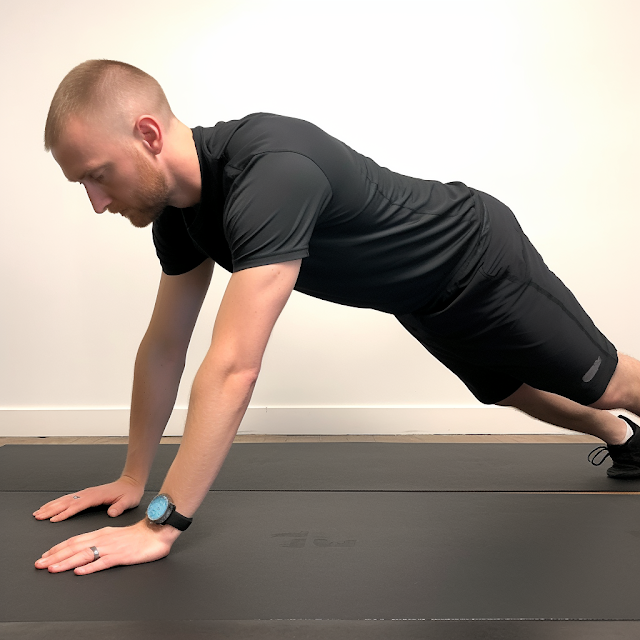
{"x": 99, "y": 199}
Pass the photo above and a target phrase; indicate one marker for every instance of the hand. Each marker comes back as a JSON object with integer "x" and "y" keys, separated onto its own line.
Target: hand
{"x": 124, "y": 493}
{"x": 136, "y": 544}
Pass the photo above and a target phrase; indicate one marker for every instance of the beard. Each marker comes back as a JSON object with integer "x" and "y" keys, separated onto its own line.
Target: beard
{"x": 149, "y": 198}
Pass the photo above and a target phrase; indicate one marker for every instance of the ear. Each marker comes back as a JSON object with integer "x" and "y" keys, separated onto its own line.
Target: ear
{"x": 149, "y": 130}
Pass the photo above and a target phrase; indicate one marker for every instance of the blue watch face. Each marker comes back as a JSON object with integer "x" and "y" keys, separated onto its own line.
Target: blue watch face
{"x": 157, "y": 507}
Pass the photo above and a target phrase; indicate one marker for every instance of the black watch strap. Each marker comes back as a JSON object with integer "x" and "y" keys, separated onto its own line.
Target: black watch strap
{"x": 178, "y": 521}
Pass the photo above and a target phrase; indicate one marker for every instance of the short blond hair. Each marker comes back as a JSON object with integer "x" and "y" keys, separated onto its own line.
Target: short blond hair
{"x": 102, "y": 87}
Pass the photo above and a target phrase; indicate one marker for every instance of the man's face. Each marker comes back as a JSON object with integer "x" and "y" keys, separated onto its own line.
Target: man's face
{"x": 115, "y": 171}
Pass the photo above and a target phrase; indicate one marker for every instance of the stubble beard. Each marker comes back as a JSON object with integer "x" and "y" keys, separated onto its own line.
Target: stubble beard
{"x": 151, "y": 195}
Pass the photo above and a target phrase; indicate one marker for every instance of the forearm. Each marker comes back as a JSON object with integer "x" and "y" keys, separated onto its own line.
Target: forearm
{"x": 157, "y": 374}
{"x": 217, "y": 405}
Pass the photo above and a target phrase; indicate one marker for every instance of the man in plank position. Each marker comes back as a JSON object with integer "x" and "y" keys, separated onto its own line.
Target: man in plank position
{"x": 282, "y": 206}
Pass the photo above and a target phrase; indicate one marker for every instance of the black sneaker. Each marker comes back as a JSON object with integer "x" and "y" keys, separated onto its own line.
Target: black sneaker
{"x": 626, "y": 457}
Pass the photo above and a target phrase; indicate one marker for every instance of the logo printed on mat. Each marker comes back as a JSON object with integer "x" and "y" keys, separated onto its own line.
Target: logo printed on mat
{"x": 299, "y": 540}
{"x": 588, "y": 377}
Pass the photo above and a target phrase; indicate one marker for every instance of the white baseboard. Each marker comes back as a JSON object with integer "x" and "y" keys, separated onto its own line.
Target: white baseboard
{"x": 31, "y": 422}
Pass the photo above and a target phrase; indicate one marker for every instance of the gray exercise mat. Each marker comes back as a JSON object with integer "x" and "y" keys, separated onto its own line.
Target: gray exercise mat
{"x": 323, "y": 630}
{"x": 344, "y": 556}
{"x": 341, "y": 466}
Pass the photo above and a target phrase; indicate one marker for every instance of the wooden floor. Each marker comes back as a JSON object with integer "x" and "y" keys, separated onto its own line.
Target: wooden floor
{"x": 528, "y": 438}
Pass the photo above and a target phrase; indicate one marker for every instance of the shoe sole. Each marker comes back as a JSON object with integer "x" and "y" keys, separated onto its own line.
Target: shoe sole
{"x": 624, "y": 475}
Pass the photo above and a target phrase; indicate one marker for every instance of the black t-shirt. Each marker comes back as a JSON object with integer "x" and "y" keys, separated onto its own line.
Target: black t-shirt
{"x": 276, "y": 189}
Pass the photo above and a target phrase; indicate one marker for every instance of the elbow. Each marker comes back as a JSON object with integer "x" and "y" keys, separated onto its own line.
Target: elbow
{"x": 238, "y": 383}
{"x": 246, "y": 377}
{"x": 243, "y": 371}
{"x": 228, "y": 369}
{"x": 238, "y": 375}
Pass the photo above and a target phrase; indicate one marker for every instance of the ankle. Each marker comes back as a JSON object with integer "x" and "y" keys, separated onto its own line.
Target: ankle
{"x": 622, "y": 434}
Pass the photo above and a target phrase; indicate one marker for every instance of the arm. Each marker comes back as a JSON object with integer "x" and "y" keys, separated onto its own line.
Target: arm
{"x": 224, "y": 383}
{"x": 220, "y": 395}
{"x": 160, "y": 363}
{"x": 158, "y": 369}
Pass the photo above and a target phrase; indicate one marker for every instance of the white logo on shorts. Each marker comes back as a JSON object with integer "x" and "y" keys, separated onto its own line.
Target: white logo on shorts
{"x": 588, "y": 377}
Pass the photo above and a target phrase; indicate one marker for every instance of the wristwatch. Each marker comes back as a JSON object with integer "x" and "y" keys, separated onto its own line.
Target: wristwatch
{"x": 162, "y": 511}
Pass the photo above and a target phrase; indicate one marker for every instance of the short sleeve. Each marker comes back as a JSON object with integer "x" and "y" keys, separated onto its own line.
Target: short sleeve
{"x": 273, "y": 208}
{"x": 174, "y": 247}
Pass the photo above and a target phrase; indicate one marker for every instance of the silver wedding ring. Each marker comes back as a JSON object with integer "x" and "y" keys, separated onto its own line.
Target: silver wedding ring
{"x": 76, "y": 497}
{"x": 96, "y": 553}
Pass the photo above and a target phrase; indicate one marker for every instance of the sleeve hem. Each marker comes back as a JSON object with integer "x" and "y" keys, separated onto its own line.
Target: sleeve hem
{"x": 271, "y": 259}
{"x": 178, "y": 271}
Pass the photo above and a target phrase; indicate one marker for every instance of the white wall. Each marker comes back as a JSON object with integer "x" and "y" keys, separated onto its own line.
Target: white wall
{"x": 534, "y": 101}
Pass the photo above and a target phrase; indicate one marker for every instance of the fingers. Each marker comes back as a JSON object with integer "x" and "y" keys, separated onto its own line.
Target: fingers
{"x": 116, "y": 545}
{"x": 63, "y": 508}
{"x": 62, "y": 561}
{"x": 72, "y": 545}
{"x": 76, "y": 553}
{"x": 97, "y": 565}
{"x": 121, "y": 495}
{"x": 82, "y": 562}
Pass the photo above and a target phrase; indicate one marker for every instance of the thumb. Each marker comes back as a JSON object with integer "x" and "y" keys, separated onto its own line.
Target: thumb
{"x": 116, "y": 508}
{"x": 120, "y": 505}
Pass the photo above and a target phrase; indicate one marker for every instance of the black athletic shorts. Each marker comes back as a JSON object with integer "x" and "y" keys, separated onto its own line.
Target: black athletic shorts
{"x": 513, "y": 321}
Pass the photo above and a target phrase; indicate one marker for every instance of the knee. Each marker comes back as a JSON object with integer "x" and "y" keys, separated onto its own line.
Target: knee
{"x": 620, "y": 390}
{"x": 517, "y": 398}
{"x": 610, "y": 399}
{"x": 614, "y": 397}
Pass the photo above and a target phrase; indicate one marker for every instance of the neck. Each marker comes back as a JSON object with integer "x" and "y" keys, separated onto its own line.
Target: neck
{"x": 184, "y": 167}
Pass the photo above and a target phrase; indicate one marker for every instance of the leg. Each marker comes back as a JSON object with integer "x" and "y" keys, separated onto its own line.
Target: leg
{"x": 515, "y": 322}
{"x": 562, "y": 412}
{"x": 623, "y": 390}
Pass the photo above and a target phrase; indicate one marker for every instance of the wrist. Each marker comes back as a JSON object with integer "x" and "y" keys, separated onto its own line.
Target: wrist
{"x": 132, "y": 480}
{"x": 164, "y": 532}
